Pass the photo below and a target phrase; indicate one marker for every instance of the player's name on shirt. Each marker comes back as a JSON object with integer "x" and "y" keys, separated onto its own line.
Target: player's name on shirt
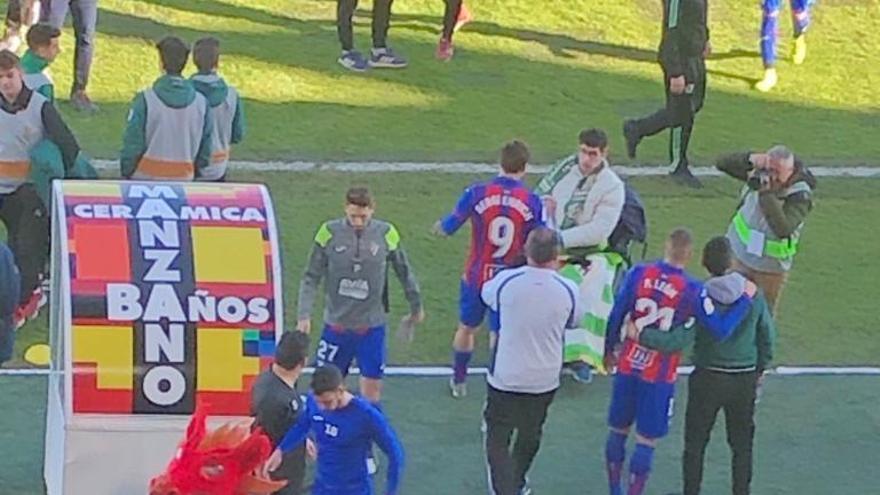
{"x": 505, "y": 200}
{"x": 660, "y": 285}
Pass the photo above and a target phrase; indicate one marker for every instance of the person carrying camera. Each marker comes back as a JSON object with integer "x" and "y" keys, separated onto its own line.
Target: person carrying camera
{"x": 766, "y": 229}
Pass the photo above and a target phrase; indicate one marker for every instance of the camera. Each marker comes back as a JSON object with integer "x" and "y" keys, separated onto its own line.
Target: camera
{"x": 760, "y": 179}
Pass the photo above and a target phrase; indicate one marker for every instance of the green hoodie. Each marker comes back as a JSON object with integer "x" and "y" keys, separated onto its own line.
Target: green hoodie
{"x": 176, "y": 92}
{"x": 216, "y": 90}
{"x": 750, "y": 346}
{"x": 35, "y": 65}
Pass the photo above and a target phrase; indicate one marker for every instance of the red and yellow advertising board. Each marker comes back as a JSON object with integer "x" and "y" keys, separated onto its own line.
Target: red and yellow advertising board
{"x": 165, "y": 296}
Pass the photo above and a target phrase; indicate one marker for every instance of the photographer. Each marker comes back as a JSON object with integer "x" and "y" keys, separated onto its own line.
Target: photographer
{"x": 766, "y": 228}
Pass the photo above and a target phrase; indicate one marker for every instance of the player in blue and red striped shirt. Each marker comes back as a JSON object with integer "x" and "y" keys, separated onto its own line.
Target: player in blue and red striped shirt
{"x": 502, "y": 212}
{"x": 656, "y": 295}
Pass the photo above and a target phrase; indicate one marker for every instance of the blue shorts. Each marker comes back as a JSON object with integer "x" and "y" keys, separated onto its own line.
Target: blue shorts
{"x": 339, "y": 347}
{"x": 648, "y": 405}
{"x": 471, "y": 308}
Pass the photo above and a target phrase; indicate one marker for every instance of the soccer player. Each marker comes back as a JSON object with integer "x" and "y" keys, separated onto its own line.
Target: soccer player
{"x": 683, "y": 49}
{"x": 661, "y": 295}
{"x": 43, "y": 48}
{"x": 455, "y": 16}
{"x": 168, "y": 135}
{"x": 800, "y": 18}
{"x": 353, "y": 253}
{"x": 344, "y": 428}
{"x": 227, "y": 111}
{"x": 276, "y": 405}
{"x": 502, "y": 212}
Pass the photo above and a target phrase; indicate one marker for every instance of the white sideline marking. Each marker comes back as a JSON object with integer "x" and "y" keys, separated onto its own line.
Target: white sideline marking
{"x": 479, "y": 168}
{"x": 442, "y": 371}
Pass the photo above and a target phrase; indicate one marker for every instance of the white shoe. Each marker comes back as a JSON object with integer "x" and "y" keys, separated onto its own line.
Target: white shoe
{"x": 458, "y": 390}
{"x": 769, "y": 81}
{"x": 372, "y": 466}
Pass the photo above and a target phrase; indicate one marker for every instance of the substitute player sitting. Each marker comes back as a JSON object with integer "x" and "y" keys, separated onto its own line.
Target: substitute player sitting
{"x": 344, "y": 427}
{"x": 502, "y": 212}
{"x": 658, "y": 295}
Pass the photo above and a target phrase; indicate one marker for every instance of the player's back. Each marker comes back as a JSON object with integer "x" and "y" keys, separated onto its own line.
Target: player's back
{"x": 659, "y": 296}
{"x": 502, "y": 212}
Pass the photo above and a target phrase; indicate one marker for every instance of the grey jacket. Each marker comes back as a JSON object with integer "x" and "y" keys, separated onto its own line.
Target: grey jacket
{"x": 355, "y": 265}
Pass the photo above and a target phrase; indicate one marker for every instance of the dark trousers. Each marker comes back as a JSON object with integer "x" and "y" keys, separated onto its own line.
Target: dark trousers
{"x": 292, "y": 470}
{"x": 708, "y": 392}
{"x": 85, "y": 20}
{"x": 9, "y": 296}
{"x": 450, "y": 15}
{"x": 381, "y": 21}
{"x": 13, "y": 14}
{"x": 679, "y": 112}
{"x": 27, "y": 233}
{"x": 504, "y": 414}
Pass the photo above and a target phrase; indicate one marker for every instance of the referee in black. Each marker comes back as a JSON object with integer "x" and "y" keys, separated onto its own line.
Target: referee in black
{"x": 726, "y": 374}
{"x": 683, "y": 49}
{"x": 534, "y": 306}
{"x": 276, "y": 404}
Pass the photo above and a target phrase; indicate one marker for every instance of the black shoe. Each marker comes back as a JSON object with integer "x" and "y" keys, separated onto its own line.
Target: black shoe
{"x": 682, "y": 175}
{"x": 81, "y": 102}
{"x": 631, "y": 134}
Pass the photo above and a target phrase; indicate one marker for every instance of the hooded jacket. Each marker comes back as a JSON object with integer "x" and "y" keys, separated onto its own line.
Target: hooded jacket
{"x": 748, "y": 348}
{"x": 227, "y": 114}
{"x": 175, "y": 93}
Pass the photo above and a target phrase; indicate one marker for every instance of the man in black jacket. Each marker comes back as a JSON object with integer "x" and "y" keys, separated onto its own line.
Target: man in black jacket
{"x": 682, "y": 52}
{"x": 276, "y": 405}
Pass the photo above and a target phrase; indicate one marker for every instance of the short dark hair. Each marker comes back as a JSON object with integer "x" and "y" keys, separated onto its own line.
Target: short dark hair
{"x": 717, "y": 256}
{"x": 542, "y": 245}
{"x": 514, "y": 157}
{"x": 680, "y": 243}
{"x": 594, "y": 138}
{"x": 359, "y": 196}
{"x": 173, "y": 52}
{"x": 9, "y": 60}
{"x": 326, "y": 379}
{"x": 206, "y": 53}
{"x": 292, "y": 350}
{"x": 41, "y": 34}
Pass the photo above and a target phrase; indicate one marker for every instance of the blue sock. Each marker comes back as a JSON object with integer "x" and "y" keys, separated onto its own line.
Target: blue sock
{"x": 800, "y": 13}
{"x": 768, "y": 32}
{"x": 640, "y": 468}
{"x": 460, "y": 360}
{"x": 615, "y": 453}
